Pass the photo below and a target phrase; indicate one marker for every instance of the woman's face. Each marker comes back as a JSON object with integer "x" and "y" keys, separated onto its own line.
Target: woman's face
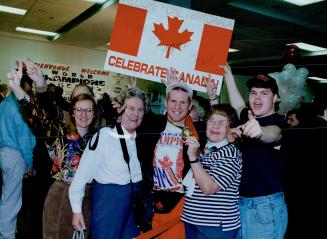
{"x": 217, "y": 128}
{"x": 133, "y": 114}
{"x": 83, "y": 113}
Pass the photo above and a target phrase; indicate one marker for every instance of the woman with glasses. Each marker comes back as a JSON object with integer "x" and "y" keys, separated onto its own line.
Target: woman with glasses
{"x": 211, "y": 204}
{"x": 65, "y": 145}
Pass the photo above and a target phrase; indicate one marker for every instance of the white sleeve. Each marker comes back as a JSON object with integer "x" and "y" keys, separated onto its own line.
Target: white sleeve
{"x": 84, "y": 174}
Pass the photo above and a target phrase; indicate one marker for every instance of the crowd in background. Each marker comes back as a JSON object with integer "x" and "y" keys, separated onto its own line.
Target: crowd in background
{"x": 211, "y": 170}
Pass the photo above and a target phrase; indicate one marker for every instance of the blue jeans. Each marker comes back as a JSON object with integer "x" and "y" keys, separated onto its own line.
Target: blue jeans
{"x": 112, "y": 214}
{"x": 13, "y": 168}
{"x": 204, "y": 232}
{"x": 263, "y": 217}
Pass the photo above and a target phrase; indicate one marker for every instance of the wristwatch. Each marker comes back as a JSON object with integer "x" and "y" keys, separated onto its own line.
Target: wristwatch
{"x": 194, "y": 161}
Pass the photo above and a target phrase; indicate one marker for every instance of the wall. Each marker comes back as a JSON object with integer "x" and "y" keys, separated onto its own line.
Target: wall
{"x": 14, "y": 48}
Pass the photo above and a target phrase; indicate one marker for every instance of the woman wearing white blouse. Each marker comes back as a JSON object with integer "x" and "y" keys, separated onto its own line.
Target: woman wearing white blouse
{"x": 112, "y": 213}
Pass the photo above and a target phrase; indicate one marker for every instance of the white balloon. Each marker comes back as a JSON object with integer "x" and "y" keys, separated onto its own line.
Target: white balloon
{"x": 298, "y": 82}
{"x": 292, "y": 100}
{"x": 285, "y": 76}
{"x": 290, "y": 67}
{"x": 302, "y": 72}
{"x": 274, "y": 75}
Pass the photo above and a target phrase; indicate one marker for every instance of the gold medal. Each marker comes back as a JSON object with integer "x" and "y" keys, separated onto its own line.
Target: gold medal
{"x": 186, "y": 132}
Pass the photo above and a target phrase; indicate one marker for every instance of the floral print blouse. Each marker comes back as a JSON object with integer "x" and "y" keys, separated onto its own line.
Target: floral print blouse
{"x": 64, "y": 149}
{"x": 66, "y": 156}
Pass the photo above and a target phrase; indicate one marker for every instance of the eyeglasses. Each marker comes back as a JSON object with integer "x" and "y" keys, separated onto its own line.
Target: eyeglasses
{"x": 220, "y": 123}
{"x": 80, "y": 110}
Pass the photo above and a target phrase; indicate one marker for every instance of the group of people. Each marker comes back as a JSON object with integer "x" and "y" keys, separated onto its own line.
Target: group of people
{"x": 220, "y": 178}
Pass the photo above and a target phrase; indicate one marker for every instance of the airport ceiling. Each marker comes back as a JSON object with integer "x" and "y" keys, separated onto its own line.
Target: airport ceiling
{"x": 262, "y": 28}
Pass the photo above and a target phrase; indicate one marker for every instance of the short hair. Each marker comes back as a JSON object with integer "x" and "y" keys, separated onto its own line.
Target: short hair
{"x": 189, "y": 98}
{"x": 136, "y": 92}
{"x": 263, "y": 81}
{"x": 224, "y": 110}
{"x": 291, "y": 112}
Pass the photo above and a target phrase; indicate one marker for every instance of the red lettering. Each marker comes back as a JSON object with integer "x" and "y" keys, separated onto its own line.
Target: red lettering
{"x": 136, "y": 67}
{"x": 110, "y": 62}
{"x": 151, "y": 71}
{"x": 144, "y": 68}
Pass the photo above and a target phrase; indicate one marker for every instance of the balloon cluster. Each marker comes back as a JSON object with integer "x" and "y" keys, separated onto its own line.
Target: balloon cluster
{"x": 291, "y": 82}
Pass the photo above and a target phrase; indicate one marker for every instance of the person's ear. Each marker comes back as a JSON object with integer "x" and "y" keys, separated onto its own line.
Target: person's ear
{"x": 190, "y": 107}
{"x": 275, "y": 98}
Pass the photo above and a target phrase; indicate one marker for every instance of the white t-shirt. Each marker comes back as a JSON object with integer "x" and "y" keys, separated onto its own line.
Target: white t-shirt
{"x": 168, "y": 160}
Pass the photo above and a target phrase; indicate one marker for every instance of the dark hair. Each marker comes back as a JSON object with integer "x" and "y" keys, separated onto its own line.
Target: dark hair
{"x": 72, "y": 124}
{"x": 225, "y": 110}
{"x": 3, "y": 87}
{"x": 263, "y": 81}
{"x": 291, "y": 112}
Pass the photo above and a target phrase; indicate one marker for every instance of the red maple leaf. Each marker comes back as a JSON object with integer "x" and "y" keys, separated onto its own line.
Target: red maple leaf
{"x": 165, "y": 162}
{"x": 171, "y": 37}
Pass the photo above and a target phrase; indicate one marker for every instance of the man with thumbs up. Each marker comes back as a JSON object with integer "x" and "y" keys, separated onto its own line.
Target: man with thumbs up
{"x": 262, "y": 205}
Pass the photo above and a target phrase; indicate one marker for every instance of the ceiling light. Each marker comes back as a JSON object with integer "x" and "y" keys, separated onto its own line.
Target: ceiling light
{"x": 13, "y": 10}
{"x": 307, "y": 47}
{"x": 302, "y": 2}
{"x": 321, "y": 80}
{"x": 96, "y": 1}
{"x": 23, "y": 29}
{"x": 232, "y": 50}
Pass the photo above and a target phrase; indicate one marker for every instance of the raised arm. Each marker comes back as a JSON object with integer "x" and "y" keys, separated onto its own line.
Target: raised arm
{"x": 235, "y": 97}
{"x": 15, "y": 77}
{"x": 212, "y": 91}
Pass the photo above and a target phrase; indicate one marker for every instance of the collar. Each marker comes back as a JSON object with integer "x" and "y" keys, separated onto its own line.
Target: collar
{"x": 217, "y": 144}
{"x": 172, "y": 124}
{"x": 128, "y": 135}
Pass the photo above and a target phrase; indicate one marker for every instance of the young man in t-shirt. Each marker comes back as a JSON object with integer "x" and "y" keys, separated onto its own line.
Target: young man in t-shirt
{"x": 262, "y": 205}
{"x": 165, "y": 158}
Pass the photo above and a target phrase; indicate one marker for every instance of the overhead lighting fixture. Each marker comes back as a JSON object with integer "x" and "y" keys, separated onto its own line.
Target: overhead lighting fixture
{"x": 321, "y": 80}
{"x": 302, "y": 2}
{"x": 30, "y": 30}
{"x": 12, "y": 10}
{"x": 96, "y": 1}
{"x": 307, "y": 47}
{"x": 232, "y": 50}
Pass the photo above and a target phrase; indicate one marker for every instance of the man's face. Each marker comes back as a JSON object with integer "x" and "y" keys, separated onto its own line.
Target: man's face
{"x": 178, "y": 105}
{"x": 133, "y": 114}
{"x": 292, "y": 120}
{"x": 262, "y": 101}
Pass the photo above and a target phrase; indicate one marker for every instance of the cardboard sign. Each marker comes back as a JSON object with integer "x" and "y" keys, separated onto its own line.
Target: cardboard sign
{"x": 149, "y": 37}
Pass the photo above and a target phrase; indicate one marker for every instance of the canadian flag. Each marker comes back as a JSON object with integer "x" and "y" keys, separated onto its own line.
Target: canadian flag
{"x": 149, "y": 37}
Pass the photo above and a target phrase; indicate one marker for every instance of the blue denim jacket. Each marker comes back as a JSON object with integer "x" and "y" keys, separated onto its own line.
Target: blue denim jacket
{"x": 14, "y": 132}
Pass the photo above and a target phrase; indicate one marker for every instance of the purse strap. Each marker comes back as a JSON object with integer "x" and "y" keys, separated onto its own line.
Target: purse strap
{"x": 123, "y": 145}
{"x": 78, "y": 234}
{"x": 125, "y": 152}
